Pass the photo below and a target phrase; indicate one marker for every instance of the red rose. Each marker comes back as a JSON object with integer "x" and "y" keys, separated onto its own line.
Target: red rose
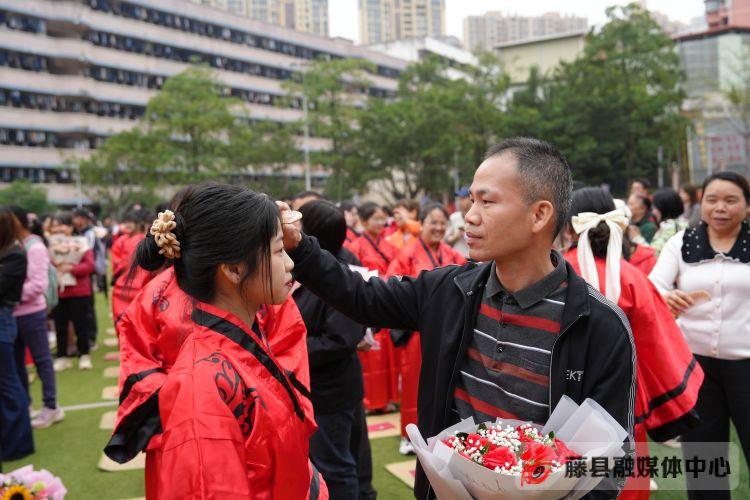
{"x": 563, "y": 452}
{"x": 522, "y": 436}
{"x": 537, "y": 460}
{"x": 499, "y": 457}
{"x": 473, "y": 440}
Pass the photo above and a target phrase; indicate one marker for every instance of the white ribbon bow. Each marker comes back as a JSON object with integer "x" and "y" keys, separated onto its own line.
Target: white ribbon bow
{"x": 582, "y": 224}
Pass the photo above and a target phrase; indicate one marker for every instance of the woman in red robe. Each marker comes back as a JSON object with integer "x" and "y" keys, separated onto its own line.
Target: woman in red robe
{"x": 126, "y": 284}
{"x": 229, "y": 418}
{"x": 378, "y": 365}
{"x": 668, "y": 375}
{"x": 424, "y": 253}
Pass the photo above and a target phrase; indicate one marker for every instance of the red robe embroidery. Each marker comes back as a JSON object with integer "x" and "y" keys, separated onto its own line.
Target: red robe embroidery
{"x": 414, "y": 258}
{"x": 668, "y": 376}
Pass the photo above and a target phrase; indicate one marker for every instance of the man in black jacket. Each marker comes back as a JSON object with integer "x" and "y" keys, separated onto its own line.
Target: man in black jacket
{"x": 492, "y": 341}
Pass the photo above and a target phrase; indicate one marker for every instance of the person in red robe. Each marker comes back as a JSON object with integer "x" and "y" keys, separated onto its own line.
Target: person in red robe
{"x": 351, "y": 213}
{"x": 126, "y": 284}
{"x": 668, "y": 376}
{"x": 424, "y": 253}
{"x": 215, "y": 389}
{"x": 378, "y": 363}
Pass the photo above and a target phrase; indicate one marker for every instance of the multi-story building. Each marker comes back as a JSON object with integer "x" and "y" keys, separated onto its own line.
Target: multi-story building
{"x": 73, "y": 72}
{"x": 544, "y": 53}
{"x": 714, "y": 61}
{"x": 382, "y": 21}
{"x": 494, "y": 27}
{"x": 414, "y": 50}
{"x": 310, "y": 16}
{"x": 721, "y": 13}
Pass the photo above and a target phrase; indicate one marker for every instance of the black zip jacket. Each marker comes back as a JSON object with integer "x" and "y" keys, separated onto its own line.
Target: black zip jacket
{"x": 593, "y": 357}
{"x": 12, "y": 275}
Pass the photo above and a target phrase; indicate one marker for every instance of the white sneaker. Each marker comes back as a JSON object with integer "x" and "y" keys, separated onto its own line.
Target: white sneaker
{"x": 405, "y": 447}
{"x": 47, "y": 417}
{"x": 62, "y": 364}
{"x": 33, "y": 413}
{"x": 84, "y": 362}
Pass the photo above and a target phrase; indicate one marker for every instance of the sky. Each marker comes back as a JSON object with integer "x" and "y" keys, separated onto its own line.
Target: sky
{"x": 344, "y": 20}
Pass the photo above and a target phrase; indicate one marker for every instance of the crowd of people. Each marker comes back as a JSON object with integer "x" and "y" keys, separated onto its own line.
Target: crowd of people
{"x": 261, "y": 333}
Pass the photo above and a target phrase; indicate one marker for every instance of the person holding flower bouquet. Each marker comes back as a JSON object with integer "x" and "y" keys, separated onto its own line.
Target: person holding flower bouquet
{"x": 511, "y": 336}
{"x": 231, "y": 420}
{"x": 74, "y": 260}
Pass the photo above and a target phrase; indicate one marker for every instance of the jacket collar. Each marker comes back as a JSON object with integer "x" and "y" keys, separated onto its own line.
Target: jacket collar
{"x": 472, "y": 281}
{"x": 577, "y": 299}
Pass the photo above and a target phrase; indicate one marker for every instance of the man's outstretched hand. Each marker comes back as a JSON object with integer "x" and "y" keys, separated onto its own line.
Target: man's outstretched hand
{"x": 292, "y": 231}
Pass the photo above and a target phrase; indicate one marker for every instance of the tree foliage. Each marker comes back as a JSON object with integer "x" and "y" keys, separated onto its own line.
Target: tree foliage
{"x": 23, "y": 193}
{"x": 191, "y": 131}
{"x": 612, "y": 108}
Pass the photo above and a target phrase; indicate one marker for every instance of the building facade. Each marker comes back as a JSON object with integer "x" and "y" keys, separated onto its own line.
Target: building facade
{"x": 414, "y": 50}
{"x": 310, "y": 16}
{"x": 545, "y": 53}
{"x": 714, "y": 61}
{"x": 74, "y": 72}
{"x": 382, "y": 21}
{"x": 493, "y": 28}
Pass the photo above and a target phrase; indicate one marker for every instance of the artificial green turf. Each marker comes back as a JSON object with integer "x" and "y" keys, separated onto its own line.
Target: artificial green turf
{"x": 72, "y": 448}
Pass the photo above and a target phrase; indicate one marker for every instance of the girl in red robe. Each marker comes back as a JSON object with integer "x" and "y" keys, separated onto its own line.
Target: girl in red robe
{"x": 668, "y": 375}
{"x": 378, "y": 366}
{"x": 125, "y": 285}
{"x": 424, "y": 253}
{"x": 231, "y": 418}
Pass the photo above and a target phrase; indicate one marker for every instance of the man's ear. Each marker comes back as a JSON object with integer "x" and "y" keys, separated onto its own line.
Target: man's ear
{"x": 542, "y": 213}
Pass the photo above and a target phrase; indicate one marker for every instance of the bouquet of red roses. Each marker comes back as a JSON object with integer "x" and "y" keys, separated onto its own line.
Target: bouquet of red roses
{"x": 522, "y": 450}
{"x": 513, "y": 459}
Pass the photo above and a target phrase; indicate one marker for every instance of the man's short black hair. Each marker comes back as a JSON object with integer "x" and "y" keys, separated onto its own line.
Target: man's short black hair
{"x": 544, "y": 173}
{"x": 325, "y": 221}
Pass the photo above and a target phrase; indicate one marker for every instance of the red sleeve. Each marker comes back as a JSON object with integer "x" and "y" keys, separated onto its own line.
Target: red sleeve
{"x": 85, "y": 267}
{"x": 401, "y": 265}
{"x": 202, "y": 451}
{"x": 669, "y": 378}
{"x": 116, "y": 254}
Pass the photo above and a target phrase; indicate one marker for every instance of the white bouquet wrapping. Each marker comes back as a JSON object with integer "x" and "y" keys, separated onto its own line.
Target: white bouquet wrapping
{"x": 67, "y": 250}
{"x": 512, "y": 459}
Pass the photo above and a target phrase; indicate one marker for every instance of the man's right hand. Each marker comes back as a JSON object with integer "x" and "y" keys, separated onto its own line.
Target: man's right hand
{"x": 292, "y": 232}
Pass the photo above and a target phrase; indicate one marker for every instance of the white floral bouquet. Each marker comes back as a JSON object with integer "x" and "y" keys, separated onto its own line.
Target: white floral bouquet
{"x": 514, "y": 459}
{"x": 27, "y": 484}
{"x": 67, "y": 250}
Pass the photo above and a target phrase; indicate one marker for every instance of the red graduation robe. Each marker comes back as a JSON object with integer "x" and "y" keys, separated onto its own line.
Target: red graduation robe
{"x": 667, "y": 373}
{"x": 126, "y": 287}
{"x": 377, "y": 364}
{"x": 414, "y": 258}
{"x": 156, "y": 328}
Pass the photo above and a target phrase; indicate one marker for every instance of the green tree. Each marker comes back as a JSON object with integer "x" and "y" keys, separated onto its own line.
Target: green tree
{"x": 435, "y": 126}
{"x": 23, "y": 193}
{"x": 125, "y": 170}
{"x": 335, "y": 92}
{"x": 191, "y": 131}
{"x": 612, "y": 108}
